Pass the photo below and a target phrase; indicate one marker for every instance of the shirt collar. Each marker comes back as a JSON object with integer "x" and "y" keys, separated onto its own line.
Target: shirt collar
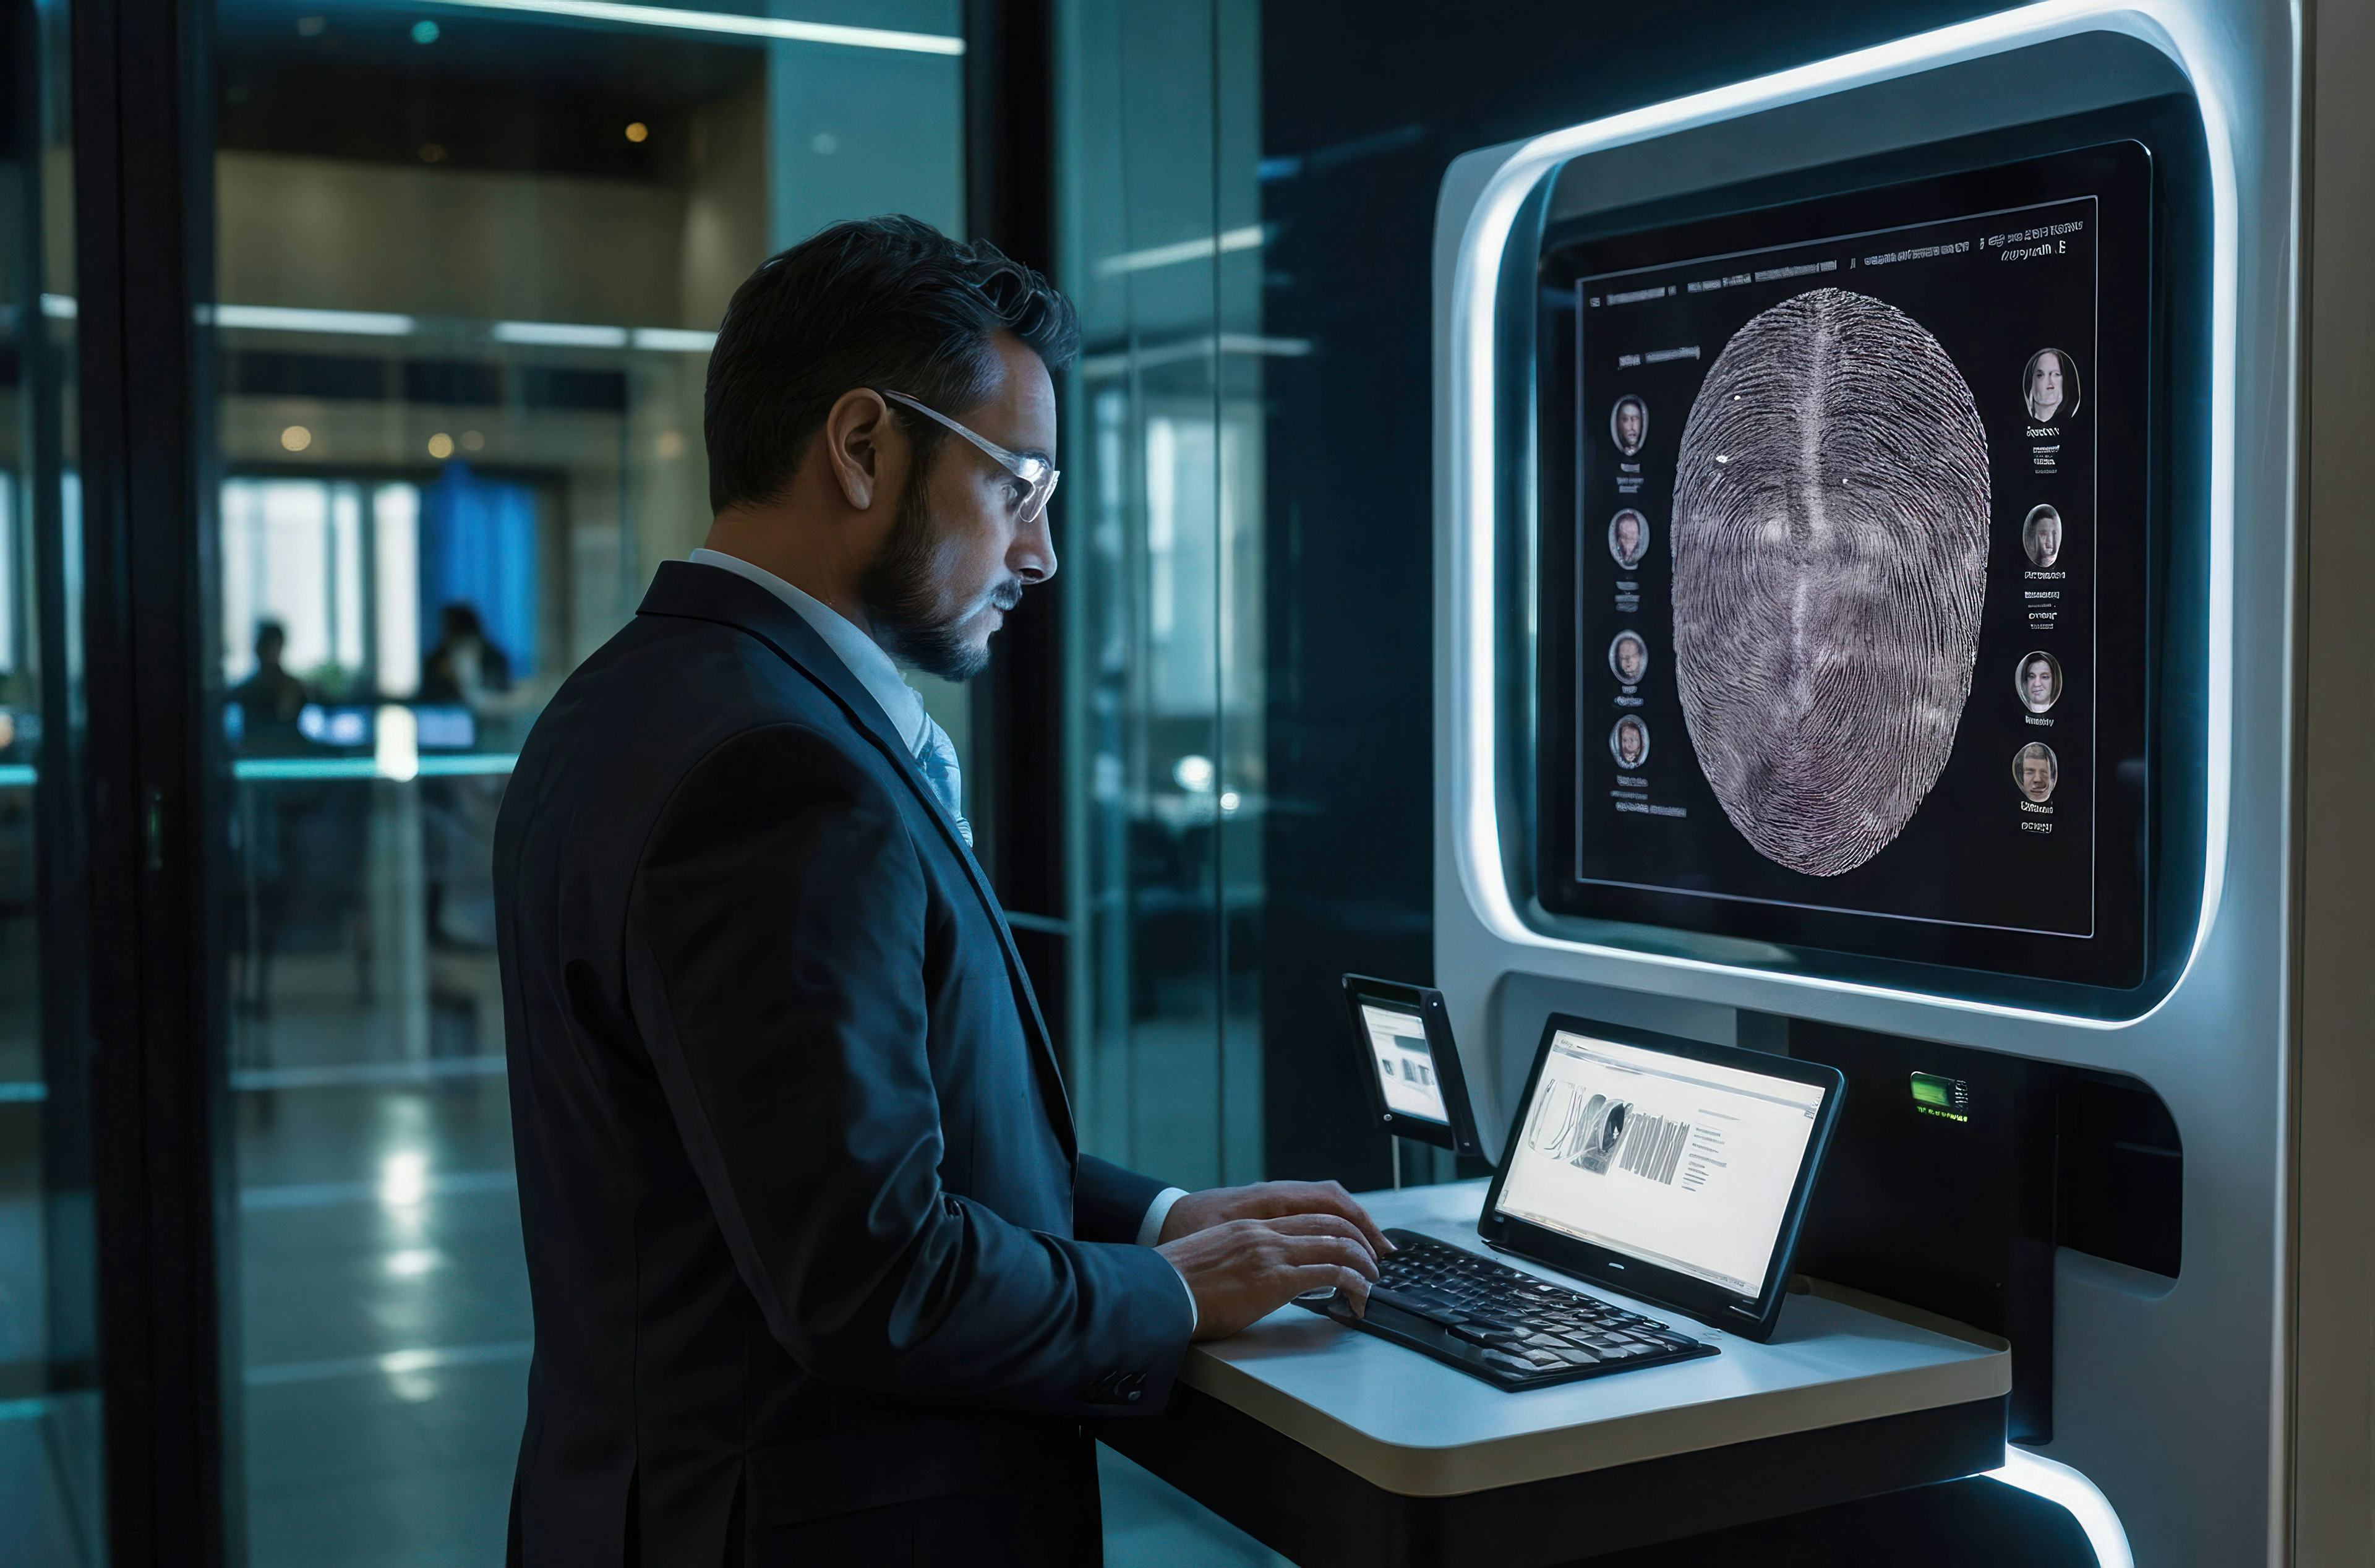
{"x": 873, "y": 668}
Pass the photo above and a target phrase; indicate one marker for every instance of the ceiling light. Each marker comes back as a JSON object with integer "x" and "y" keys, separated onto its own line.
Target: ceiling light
{"x": 472, "y": 440}
{"x": 680, "y": 339}
{"x": 558, "y": 334}
{"x": 440, "y": 446}
{"x": 638, "y": 132}
{"x": 296, "y": 438}
{"x": 291, "y": 318}
{"x": 424, "y": 32}
{"x": 1229, "y": 241}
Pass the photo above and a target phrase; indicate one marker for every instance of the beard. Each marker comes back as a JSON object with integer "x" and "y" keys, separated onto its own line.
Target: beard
{"x": 901, "y": 590}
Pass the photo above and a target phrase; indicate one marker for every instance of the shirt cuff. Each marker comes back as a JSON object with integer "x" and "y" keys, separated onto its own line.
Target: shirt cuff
{"x": 1150, "y": 1231}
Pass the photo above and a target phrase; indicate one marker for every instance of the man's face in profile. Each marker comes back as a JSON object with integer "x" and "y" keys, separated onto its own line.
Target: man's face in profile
{"x": 1629, "y": 662}
{"x": 1629, "y": 537}
{"x": 958, "y": 554}
{"x": 1628, "y": 745}
{"x": 1629, "y": 425}
{"x": 2037, "y": 683}
{"x": 2045, "y": 385}
{"x": 2037, "y": 778}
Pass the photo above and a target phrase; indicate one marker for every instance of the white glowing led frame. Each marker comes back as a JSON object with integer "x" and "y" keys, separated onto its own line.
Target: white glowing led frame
{"x": 1472, "y": 454}
{"x": 2170, "y": 1397}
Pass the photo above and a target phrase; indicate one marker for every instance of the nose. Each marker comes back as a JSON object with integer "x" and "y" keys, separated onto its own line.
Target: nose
{"x": 1032, "y": 558}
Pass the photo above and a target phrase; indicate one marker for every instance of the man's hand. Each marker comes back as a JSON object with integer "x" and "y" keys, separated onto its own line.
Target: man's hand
{"x": 1243, "y": 1270}
{"x": 1269, "y": 1200}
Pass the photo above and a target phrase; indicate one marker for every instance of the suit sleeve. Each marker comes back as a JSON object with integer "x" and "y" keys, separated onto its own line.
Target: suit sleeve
{"x": 774, "y": 959}
{"x": 1108, "y": 1202}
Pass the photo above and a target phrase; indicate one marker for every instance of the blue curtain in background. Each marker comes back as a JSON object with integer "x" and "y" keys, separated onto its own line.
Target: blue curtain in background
{"x": 478, "y": 546}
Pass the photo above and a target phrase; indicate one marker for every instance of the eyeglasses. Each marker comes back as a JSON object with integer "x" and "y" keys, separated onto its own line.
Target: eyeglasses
{"x": 1036, "y": 475}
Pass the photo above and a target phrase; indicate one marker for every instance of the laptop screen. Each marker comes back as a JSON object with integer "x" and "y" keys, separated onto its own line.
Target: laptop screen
{"x": 1681, "y": 1163}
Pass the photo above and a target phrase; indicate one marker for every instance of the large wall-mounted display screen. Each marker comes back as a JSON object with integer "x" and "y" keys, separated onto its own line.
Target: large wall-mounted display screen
{"x": 1845, "y": 569}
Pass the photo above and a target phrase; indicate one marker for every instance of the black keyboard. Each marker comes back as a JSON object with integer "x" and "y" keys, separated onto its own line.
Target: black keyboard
{"x": 1511, "y": 1329}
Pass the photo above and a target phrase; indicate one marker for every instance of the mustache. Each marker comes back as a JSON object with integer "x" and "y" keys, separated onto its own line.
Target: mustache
{"x": 1008, "y": 595}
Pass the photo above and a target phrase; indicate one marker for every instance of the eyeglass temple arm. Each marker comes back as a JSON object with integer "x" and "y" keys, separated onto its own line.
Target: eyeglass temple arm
{"x": 1021, "y": 467}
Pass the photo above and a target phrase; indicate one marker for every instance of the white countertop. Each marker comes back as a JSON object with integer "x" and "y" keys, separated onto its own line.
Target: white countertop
{"x": 1414, "y": 1426}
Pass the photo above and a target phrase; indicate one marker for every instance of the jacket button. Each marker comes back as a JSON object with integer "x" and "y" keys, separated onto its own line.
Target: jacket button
{"x": 1133, "y": 1394}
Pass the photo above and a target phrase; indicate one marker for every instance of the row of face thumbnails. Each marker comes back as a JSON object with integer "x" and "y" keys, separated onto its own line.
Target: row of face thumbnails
{"x": 2041, "y": 537}
{"x": 2037, "y": 681}
{"x": 2048, "y": 391}
{"x": 2036, "y": 771}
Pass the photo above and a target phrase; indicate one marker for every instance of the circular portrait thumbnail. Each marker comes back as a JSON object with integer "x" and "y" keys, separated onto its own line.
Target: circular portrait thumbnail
{"x": 1629, "y": 741}
{"x": 2048, "y": 386}
{"x": 2038, "y": 680}
{"x": 2036, "y": 771}
{"x": 1628, "y": 657}
{"x": 1628, "y": 539}
{"x": 2041, "y": 536}
{"x": 1628, "y": 424}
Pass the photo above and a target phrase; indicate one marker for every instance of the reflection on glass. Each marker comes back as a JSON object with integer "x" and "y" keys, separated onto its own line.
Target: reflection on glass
{"x": 469, "y": 269}
{"x": 1166, "y": 541}
{"x": 52, "y": 1510}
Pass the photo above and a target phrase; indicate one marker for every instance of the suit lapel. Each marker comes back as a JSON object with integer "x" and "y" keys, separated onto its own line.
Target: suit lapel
{"x": 708, "y": 593}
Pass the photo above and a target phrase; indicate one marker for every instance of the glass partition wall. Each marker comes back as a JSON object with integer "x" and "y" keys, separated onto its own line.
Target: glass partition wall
{"x": 469, "y": 261}
{"x": 51, "y": 1484}
{"x": 458, "y": 267}
{"x": 1248, "y": 618}
{"x": 1162, "y": 241}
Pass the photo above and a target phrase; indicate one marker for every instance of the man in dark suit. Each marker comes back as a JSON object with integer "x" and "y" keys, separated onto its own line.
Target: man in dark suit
{"x": 818, "y": 1274}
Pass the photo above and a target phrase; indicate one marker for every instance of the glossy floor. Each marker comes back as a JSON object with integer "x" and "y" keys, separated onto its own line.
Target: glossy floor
{"x": 385, "y": 1318}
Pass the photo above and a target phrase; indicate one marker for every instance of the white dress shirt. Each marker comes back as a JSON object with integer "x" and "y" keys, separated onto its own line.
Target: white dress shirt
{"x": 903, "y": 705}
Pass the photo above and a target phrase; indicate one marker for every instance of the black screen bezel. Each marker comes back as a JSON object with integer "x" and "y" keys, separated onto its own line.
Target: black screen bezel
{"x": 2121, "y": 175}
{"x": 1458, "y": 1134}
{"x": 1752, "y": 1317}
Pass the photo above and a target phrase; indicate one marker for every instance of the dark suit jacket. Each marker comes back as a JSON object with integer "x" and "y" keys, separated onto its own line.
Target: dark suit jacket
{"x": 807, "y": 1230}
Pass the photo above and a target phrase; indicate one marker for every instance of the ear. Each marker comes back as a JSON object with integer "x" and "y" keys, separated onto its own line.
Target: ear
{"x": 857, "y": 430}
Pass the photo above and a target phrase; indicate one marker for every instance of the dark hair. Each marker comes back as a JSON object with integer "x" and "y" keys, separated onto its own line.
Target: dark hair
{"x": 886, "y": 302}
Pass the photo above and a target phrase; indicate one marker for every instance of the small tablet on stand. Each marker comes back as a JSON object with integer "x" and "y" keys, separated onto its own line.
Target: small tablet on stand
{"x": 1416, "y": 1086}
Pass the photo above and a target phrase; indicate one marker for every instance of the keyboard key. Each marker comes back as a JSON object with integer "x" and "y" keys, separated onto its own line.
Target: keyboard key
{"x": 1418, "y": 1303}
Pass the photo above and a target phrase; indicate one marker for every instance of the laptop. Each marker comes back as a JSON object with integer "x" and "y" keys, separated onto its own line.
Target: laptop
{"x": 1669, "y": 1171}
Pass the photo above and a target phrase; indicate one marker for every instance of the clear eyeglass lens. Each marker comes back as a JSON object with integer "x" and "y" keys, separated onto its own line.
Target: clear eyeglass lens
{"x": 1042, "y": 489}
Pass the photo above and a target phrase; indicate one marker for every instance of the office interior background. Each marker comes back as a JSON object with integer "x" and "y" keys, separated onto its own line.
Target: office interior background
{"x": 283, "y": 582}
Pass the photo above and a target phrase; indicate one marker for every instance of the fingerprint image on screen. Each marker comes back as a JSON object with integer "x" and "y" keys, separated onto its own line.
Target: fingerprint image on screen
{"x": 1830, "y": 565}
